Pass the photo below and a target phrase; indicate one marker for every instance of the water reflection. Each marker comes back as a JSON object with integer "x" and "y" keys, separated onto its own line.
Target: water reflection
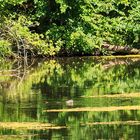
{"x": 27, "y": 91}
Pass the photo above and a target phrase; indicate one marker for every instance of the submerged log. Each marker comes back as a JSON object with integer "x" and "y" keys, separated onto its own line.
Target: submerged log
{"x": 120, "y": 49}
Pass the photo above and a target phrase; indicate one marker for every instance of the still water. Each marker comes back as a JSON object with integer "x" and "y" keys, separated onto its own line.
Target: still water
{"x": 82, "y": 98}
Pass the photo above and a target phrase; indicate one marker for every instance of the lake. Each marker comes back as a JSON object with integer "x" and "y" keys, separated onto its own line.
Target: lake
{"x": 75, "y": 98}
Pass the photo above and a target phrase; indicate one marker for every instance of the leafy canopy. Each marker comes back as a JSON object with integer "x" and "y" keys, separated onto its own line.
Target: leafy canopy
{"x": 77, "y": 27}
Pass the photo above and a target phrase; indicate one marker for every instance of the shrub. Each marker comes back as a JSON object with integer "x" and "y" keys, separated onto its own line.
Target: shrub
{"x": 23, "y": 41}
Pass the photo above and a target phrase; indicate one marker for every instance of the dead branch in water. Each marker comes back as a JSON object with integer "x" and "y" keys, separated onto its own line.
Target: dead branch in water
{"x": 120, "y": 49}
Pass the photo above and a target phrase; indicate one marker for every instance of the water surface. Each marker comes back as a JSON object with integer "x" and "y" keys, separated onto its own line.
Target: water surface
{"x": 80, "y": 98}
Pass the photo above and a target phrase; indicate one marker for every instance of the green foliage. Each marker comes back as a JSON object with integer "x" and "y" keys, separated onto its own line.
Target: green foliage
{"x": 76, "y": 27}
{"x": 87, "y": 24}
{"x": 5, "y": 49}
{"x": 21, "y": 39}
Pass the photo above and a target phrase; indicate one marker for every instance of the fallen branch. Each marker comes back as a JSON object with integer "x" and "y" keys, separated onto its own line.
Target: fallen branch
{"x": 120, "y": 49}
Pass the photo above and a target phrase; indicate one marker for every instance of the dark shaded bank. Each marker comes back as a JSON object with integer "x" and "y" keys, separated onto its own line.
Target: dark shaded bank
{"x": 112, "y": 50}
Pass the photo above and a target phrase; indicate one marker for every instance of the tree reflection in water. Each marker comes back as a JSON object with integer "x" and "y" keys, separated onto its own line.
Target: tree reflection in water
{"x": 26, "y": 91}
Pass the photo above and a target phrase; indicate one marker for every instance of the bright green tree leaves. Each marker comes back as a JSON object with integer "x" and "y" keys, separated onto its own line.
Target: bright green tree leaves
{"x": 78, "y": 26}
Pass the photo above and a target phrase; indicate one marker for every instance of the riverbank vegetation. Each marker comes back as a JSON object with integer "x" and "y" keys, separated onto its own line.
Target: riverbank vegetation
{"x": 32, "y": 28}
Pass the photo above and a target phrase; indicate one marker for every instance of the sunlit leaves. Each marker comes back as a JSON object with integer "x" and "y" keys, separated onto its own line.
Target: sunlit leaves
{"x": 78, "y": 26}
{"x": 5, "y": 48}
{"x": 19, "y": 36}
{"x": 63, "y": 5}
{"x": 12, "y": 2}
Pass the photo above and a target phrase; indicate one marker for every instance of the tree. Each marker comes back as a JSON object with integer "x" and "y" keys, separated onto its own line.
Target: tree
{"x": 76, "y": 27}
